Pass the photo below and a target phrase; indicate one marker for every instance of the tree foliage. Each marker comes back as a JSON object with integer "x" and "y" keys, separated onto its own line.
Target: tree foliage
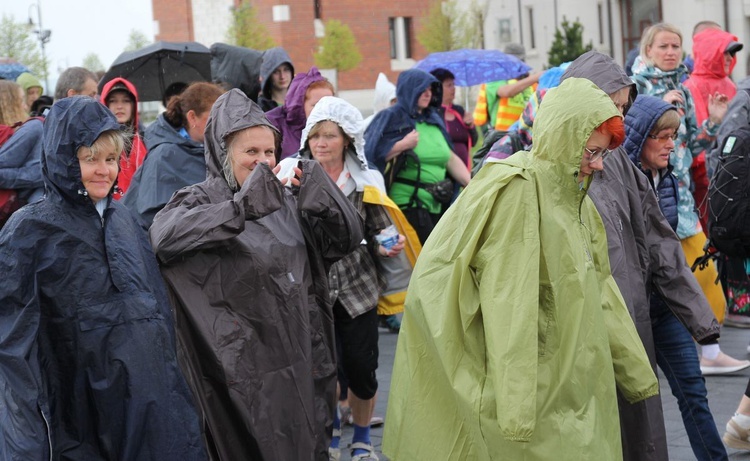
{"x": 568, "y": 43}
{"x": 136, "y": 40}
{"x": 449, "y": 27}
{"x": 92, "y": 62}
{"x": 17, "y": 42}
{"x": 338, "y": 48}
{"x": 246, "y": 30}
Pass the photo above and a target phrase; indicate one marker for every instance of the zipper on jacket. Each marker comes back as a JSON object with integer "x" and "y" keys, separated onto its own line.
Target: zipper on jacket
{"x": 49, "y": 432}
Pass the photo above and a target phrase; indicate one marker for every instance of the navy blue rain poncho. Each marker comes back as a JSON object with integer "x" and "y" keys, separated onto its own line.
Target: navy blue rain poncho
{"x": 87, "y": 347}
{"x": 392, "y": 124}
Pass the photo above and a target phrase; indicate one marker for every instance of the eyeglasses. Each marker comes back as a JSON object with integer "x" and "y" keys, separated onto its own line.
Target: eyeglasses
{"x": 595, "y": 155}
{"x": 665, "y": 138}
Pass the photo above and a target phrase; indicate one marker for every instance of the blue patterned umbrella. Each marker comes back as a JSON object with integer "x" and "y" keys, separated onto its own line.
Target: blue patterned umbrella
{"x": 10, "y": 70}
{"x": 473, "y": 67}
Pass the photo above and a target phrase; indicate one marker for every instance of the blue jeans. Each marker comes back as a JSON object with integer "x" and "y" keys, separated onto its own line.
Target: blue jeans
{"x": 677, "y": 358}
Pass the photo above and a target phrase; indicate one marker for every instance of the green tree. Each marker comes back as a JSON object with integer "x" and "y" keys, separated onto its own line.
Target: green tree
{"x": 16, "y": 42}
{"x": 246, "y": 30}
{"x": 449, "y": 27}
{"x": 568, "y": 43}
{"x": 92, "y": 62}
{"x": 136, "y": 40}
{"x": 338, "y": 48}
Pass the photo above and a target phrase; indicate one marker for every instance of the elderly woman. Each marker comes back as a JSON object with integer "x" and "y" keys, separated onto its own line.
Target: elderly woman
{"x": 247, "y": 260}
{"x": 333, "y": 137}
{"x": 88, "y": 368}
{"x": 515, "y": 334}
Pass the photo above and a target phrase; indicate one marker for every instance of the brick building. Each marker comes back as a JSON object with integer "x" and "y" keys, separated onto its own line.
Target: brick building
{"x": 385, "y": 31}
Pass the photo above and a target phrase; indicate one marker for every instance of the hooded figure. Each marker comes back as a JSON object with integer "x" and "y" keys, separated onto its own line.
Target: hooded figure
{"x": 498, "y": 358}
{"x": 290, "y": 118}
{"x": 248, "y": 265}
{"x": 88, "y": 367}
{"x": 236, "y": 67}
{"x": 395, "y": 122}
{"x": 272, "y": 59}
{"x": 134, "y": 154}
{"x": 710, "y": 74}
{"x": 642, "y": 252}
{"x": 32, "y": 87}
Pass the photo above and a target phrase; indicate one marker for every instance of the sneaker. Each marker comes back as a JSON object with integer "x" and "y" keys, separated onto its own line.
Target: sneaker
{"x": 722, "y": 365}
{"x": 736, "y": 437}
{"x": 390, "y": 322}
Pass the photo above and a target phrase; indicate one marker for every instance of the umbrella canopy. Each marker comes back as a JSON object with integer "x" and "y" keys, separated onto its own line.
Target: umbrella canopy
{"x": 473, "y": 67}
{"x": 11, "y": 69}
{"x": 153, "y": 68}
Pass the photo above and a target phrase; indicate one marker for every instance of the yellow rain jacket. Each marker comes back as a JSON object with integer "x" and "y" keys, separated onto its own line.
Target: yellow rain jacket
{"x": 515, "y": 334}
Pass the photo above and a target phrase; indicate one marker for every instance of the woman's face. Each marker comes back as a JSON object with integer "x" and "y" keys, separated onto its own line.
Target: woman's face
{"x": 449, "y": 91}
{"x": 327, "y": 144}
{"x": 197, "y": 125}
{"x": 621, "y": 98}
{"x": 598, "y": 144}
{"x": 665, "y": 51}
{"x": 313, "y": 96}
{"x": 656, "y": 150}
{"x": 250, "y": 147}
{"x": 424, "y": 99}
{"x": 98, "y": 172}
{"x": 121, "y": 104}
{"x": 728, "y": 63}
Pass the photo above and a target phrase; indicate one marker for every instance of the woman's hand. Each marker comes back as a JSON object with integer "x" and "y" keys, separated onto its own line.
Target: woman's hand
{"x": 295, "y": 179}
{"x": 395, "y": 249}
{"x": 674, "y": 97}
{"x": 410, "y": 140}
{"x": 717, "y": 107}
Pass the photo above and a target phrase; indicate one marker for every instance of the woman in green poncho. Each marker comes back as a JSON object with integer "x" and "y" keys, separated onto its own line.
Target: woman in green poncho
{"x": 515, "y": 334}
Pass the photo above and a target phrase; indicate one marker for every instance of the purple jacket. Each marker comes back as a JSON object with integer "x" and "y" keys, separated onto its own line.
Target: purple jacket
{"x": 290, "y": 118}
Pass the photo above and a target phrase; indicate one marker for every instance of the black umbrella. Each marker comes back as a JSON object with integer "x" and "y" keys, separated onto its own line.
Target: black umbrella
{"x": 153, "y": 68}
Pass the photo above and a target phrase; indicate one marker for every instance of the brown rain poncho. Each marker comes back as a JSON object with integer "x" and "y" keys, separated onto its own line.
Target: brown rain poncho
{"x": 248, "y": 275}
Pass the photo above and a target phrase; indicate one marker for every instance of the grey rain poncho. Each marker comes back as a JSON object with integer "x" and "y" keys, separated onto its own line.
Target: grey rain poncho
{"x": 248, "y": 273}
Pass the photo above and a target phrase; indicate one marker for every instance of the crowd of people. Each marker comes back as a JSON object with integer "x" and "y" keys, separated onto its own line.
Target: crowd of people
{"x": 211, "y": 286}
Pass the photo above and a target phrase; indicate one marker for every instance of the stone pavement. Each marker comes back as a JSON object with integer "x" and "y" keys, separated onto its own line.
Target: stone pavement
{"x": 724, "y": 393}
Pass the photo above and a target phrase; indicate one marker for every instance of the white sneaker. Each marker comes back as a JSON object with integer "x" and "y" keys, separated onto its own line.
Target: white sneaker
{"x": 723, "y": 364}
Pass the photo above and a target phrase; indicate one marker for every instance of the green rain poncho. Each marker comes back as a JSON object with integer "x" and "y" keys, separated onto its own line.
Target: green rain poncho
{"x": 515, "y": 334}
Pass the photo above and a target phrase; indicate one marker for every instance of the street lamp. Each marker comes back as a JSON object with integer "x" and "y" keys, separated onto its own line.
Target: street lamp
{"x": 44, "y": 37}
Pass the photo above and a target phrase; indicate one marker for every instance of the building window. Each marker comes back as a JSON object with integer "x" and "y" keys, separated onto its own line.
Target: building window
{"x": 532, "y": 38}
{"x": 600, "y": 12}
{"x": 399, "y": 35}
{"x": 316, "y": 5}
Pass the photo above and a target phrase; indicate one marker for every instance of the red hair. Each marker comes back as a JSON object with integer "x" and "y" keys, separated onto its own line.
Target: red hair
{"x": 615, "y": 128}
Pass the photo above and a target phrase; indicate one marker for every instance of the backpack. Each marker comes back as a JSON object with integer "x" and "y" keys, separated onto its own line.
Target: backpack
{"x": 729, "y": 197}
{"x": 493, "y": 136}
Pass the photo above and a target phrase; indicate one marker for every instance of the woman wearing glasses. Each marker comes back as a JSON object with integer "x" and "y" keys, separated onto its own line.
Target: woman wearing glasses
{"x": 513, "y": 320}
{"x": 658, "y": 72}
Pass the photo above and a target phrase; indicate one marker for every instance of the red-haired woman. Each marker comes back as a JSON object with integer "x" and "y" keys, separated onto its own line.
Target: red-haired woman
{"x": 513, "y": 320}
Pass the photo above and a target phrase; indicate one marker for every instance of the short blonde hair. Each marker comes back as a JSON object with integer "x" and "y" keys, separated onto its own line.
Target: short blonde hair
{"x": 114, "y": 138}
{"x": 649, "y": 35}
{"x": 11, "y": 103}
